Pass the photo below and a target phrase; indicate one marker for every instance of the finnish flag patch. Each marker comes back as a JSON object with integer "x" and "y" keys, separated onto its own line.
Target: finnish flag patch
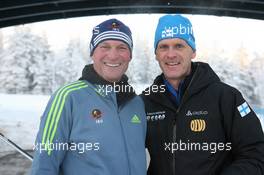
{"x": 243, "y": 109}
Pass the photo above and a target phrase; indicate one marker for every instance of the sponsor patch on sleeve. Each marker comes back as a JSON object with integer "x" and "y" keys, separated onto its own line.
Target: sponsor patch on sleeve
{"x": 243, "y": 109}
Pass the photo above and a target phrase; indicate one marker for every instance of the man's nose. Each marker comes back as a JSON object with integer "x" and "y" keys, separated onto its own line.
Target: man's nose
{"x": 171, "y": 52}
{"x": 113, "y": 54}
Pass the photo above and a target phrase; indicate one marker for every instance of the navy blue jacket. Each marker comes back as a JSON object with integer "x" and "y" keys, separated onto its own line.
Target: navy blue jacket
{"x": 213, "y": 130}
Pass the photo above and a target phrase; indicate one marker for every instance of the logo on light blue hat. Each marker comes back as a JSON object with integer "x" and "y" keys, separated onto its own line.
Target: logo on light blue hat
{"x": 174, "y": 26}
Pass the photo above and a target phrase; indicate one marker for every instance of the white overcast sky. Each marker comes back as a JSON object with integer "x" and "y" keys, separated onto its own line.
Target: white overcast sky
{"x": 226, "y": 33}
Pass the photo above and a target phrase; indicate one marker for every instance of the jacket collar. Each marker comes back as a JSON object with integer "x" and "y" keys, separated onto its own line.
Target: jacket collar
{"x": 201, "y": 76}
{"x": 90, "y": 75}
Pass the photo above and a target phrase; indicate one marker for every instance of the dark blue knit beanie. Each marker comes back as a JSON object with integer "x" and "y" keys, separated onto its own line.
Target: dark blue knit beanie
{"x": 111, "y": 29}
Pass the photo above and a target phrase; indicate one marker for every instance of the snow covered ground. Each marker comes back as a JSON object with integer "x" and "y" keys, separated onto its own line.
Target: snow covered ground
{"x": 20, "y": 117}
{"x": 19, "y": 121}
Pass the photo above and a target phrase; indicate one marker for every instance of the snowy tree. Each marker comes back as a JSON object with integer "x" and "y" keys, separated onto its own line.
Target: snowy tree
{"x": 223, "y": 67}
{"x": 143, "y": 67}
{"x": 43, "y": 75}
{"x": 153, "y": 69}
{"x": 1, "y": 42}
{"x": 247, "y": 85}
{"x": 257, "y": 70}
{"x": 246, "y": 81}
{"x": 241, "y": 56}
{"x": 237, "y": 76}
{"x": 139, "y": 63}
{"x": 69, "y": 64}
{"x": 23, "y": 68}
{"x": 1, "y": 50}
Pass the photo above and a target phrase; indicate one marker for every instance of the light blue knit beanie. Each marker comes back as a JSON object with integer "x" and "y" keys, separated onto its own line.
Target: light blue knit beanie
{"x": 174, "y": 26}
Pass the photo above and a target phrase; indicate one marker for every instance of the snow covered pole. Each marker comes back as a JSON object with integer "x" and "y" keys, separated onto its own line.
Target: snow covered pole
{"x": 9, "y": 142}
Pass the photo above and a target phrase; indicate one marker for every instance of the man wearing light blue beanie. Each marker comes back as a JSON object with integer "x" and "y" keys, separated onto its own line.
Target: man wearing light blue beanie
{"x": 197, "y": 125}
{"x": 174, "y": 26}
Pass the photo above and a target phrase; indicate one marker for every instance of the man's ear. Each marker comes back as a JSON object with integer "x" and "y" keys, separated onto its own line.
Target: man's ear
{"x": 92, "y": 58}
{"x": 193, "y": 55}
{"x": 156, "y": 58}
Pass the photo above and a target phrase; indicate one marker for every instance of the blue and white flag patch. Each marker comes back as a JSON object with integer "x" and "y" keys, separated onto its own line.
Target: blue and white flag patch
{"x": 243, "y": 109}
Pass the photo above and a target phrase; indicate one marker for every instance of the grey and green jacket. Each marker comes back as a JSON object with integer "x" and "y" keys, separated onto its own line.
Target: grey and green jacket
{"x": 89, "y": 129}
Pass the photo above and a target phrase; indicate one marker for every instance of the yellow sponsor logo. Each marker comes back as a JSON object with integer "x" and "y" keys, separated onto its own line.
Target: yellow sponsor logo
{"x": 198, "y": 125}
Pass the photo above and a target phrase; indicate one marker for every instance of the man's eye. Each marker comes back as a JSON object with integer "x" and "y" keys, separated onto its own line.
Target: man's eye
{"x": 163, "y": 47}
{"x": 122, "y": 48}
{"x": 179, "y": 46}
{"x": 104, "y": 47}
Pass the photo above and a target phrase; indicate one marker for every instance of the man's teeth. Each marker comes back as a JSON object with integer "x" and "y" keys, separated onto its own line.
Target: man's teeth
{"x": 113, "y": 65}
{"x": 173, "y": 63}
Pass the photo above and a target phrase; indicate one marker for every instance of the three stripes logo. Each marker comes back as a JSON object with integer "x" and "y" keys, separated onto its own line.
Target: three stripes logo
{"x": 55, "y": 112}
{"x": 198, "y": 125}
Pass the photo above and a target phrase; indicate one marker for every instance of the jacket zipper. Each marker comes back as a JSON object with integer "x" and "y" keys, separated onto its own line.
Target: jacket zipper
{"x": 174, "y": 141}
{"x": 118, "y": 108}
{"x": 124, "y": 140}
{"x": 174, "y": 121}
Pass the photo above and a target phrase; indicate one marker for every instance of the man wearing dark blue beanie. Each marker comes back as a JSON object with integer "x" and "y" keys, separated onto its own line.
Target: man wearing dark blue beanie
{"x": 111, "y": 29}
{"x": 197, "y": 125}
{"x": 96, "y": 125}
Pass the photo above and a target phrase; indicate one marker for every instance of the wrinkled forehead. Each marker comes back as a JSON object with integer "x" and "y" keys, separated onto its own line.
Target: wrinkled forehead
{"x": 113, "y": 42}
{"x": 170, "y": 41}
